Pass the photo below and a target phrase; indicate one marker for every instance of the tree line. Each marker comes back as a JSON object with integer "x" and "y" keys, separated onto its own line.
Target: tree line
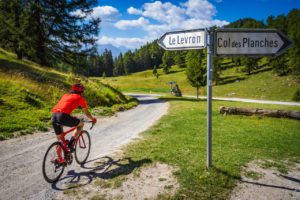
{"x": 51, "y": 34}
{"x": 152, "y": 56}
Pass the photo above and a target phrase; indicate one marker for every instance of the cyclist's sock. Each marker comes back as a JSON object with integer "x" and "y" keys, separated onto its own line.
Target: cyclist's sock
{"x": 72, "y": 140}
{"x": 71, "y": 144}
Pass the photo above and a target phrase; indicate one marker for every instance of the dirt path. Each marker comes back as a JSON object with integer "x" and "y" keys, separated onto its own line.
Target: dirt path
{"x": 268, "y": 183}
{"x": 21, "y": 158}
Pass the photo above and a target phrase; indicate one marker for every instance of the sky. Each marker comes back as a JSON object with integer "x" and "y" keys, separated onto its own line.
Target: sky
{"x": 133, "y": 23}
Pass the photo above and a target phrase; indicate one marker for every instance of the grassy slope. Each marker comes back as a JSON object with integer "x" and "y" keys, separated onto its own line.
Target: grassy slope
{"x": 262, "y": 84}
{"x": 179, "y": 139}
{"x": 28, "y": 92}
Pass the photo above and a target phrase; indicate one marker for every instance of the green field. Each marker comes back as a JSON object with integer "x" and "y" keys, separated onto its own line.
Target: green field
{"x": 179, "y": 139}
{"x": 29, "y": 92}
{"x": 262, "y": 84}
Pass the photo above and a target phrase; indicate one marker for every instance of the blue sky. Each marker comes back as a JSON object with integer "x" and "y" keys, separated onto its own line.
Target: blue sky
{"x": 132, "y": 23}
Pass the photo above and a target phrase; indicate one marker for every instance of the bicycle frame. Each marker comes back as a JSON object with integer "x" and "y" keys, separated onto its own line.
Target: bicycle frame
{"x": 64, "y": 140}
{"x": 63, "y": 136}
{"x": 59, "y": 151}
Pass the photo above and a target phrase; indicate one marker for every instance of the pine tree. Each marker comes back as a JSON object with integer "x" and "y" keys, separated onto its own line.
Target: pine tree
{"x": 179, "y": 58}
{"x": 195, "y": 71}
{"x": 129, "y": 64}
{"x": 154, "y": 70}
{"x": 250, "y": 64}
{"x": 279, "y": 65}
{"x": 156, "y": 53}
{"x": 12, "y": 36}
{"x": 108, "y": 63}
{"x": 168, "y": 61}
{"x": 58, "y": 33}
{"x": 217, "y": 69}
{"x": 293, "y": 20}
{"x": 118, "y": 66}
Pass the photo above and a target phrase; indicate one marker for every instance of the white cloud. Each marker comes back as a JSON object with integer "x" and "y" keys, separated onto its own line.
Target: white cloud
{"x": 202, "y": 23}
{"x": 163, "y": 12}
{"x": 134, "y": 11}
{"x": 105, "y": 13}
{"x": 200, "y": 9}
{"x": 166, "y": 17}
{"x": 154, "y": 31}
{"x": 188, "y": 15}
{"x": 127, "y": 24}
{"x": 130, "y": 43}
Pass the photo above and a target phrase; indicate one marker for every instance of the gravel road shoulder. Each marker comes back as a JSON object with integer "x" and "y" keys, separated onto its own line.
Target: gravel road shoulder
{"x": 268, "y": 183}
{"x": 21, "y": 158}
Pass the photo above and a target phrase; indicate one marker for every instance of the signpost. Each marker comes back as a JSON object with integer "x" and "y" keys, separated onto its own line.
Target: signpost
{"x": 250, "y": 42}
{"x": 225, "y": 43}
{"x": 183, "y": 40}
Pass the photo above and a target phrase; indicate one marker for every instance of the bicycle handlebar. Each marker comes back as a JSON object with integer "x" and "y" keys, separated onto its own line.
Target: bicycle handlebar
{"x": 89, "y": 121}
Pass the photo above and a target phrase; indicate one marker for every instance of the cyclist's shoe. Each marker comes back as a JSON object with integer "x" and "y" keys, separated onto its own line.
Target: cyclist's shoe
{"x": 60, "y": 160}
{"x": 71, "y": 146}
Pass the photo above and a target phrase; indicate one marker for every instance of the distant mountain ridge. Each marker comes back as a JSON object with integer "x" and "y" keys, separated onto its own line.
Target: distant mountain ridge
{"x": 114, "y": 50}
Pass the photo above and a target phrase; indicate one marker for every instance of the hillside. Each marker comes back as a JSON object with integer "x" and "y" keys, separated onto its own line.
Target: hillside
{"x": 29, "y": 92}
{"x": 262, "y": 84}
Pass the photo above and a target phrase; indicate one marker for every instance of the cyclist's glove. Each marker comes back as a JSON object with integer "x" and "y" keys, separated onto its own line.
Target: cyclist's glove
{"x": 94, "y": 120}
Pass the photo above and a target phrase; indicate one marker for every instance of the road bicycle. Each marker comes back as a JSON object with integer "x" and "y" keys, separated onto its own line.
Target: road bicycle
{"x": 58, "y": 155}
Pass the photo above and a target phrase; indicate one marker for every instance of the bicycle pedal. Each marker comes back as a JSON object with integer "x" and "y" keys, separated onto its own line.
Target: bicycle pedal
{"x": 68, "y": 150}
{"x": 61, "y": 160}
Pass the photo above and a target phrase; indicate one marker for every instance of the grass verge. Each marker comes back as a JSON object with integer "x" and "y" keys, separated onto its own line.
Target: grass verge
{"x": 28, "y": 92}
{"x": 179, "y": 139}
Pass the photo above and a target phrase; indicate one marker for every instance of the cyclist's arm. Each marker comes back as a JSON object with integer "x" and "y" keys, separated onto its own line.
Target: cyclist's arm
{"x": 87, "y": 113}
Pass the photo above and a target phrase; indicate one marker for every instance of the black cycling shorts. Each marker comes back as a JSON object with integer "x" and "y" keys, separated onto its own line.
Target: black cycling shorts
{"x": 62, "y": 119}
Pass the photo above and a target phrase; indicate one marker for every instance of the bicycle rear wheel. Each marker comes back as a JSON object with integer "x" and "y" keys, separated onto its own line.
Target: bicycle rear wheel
{"x": 52, "y": 165}
{"x": 83, "y": 147}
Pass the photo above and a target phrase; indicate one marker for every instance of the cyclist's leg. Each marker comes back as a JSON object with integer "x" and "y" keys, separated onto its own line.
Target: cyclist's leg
{"x": 58, "y": 137}
{"x": 57, "y": 129}
{"x": 78, "y": 130}
{"x": 71, "y": 121}
{"x": 58, "y": 148}
{"x": 75, "y": 135}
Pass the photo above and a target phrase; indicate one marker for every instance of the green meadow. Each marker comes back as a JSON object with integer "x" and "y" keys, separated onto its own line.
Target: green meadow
{"x": 179, "y": 139}
{"x": 262, "y": 84}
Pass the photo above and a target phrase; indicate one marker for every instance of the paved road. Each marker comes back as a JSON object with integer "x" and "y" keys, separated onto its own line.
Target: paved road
{"x": 21, "y": 158}
{"x": 250, "y": 100}
{"x": 237, "y": 99}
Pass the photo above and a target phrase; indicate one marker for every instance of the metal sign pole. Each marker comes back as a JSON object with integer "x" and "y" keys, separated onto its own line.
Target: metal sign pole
{"x": 209, "y": 93}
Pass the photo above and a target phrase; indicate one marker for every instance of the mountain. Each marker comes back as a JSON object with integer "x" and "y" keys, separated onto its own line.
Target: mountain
{"x": 114, "y": 50}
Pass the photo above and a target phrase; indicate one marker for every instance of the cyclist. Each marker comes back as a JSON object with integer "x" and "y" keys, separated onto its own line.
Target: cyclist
{"x": 61, "y": 113}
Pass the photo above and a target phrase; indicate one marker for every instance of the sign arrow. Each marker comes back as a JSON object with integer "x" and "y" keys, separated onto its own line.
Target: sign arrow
{"x": 250, "y": 42}
{"x": 183, "y": 40}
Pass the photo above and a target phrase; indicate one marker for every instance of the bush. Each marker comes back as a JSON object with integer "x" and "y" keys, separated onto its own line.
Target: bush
{"x": 297, "y": 95}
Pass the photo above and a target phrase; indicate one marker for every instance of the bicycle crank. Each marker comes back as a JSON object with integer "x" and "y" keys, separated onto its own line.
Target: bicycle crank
{"x": 69, "y": 158}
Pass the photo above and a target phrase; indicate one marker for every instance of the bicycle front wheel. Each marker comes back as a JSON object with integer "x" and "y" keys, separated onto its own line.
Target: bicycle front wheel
{"x": 52, "y": 163}
{"x": 83, "y": 147}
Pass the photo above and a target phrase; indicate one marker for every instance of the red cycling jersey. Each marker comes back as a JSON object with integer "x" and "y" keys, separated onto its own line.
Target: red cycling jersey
{"x": 68, "y": 103}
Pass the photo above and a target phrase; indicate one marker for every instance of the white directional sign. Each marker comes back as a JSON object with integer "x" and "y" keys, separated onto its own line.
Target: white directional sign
{"x": 250, "y": 42}
{"x": 183, "y": 40}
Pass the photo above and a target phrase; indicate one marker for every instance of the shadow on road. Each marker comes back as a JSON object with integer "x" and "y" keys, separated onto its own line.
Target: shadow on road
{"x": 104, "y": 168}
{"x": 150, "y": 101}
{"x": 272, "y": 186}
